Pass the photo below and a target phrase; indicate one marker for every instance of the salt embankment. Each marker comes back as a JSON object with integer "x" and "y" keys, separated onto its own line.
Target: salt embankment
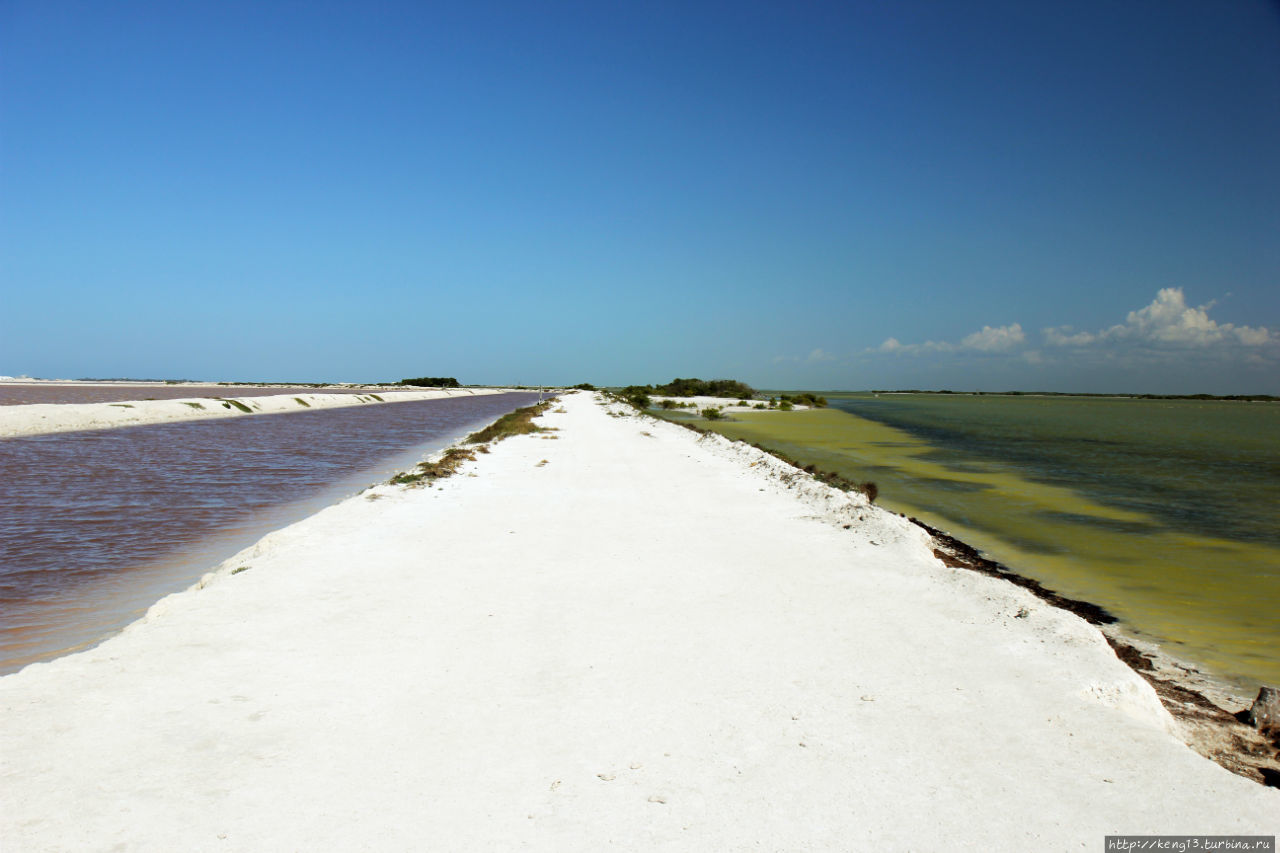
{"x": 39, "y": 418}
{"x": 613, "y": 634}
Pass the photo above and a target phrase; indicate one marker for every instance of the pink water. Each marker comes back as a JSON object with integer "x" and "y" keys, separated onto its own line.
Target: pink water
{"x": 22, "y": 394}
{"x": 96, "y": 526}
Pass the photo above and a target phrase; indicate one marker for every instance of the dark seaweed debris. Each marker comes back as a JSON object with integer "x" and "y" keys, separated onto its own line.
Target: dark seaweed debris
{"x": 1219, "y": 735}
{"x": 956, "y": 554}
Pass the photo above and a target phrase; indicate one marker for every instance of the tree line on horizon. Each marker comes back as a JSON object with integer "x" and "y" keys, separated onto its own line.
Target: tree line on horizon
{"x": 431, "y": 382}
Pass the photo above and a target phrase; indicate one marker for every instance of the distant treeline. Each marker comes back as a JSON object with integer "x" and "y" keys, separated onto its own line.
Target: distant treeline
{"x": 1261, "y": 398}
{"x": 431, "y": 382}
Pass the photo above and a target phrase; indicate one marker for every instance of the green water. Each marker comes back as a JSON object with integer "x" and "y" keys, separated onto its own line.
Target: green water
{"x": 1162, "y": 511}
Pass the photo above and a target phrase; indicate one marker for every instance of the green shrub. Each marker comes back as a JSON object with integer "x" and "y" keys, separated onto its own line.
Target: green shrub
{"x": 445, "y": 466}
{"x": 518, "y": 422}
{"x": 712, "y": 414}
{"x": 785, "y": 406}
{"x": 431, "y": 382}
{"x": 806, "y": 399}
{"x": 706, "y": 388}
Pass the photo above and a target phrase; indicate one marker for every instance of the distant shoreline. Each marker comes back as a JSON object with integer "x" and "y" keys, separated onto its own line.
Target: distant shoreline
{"x": 43, "y": 418}
{"x": 1246, "y": 398}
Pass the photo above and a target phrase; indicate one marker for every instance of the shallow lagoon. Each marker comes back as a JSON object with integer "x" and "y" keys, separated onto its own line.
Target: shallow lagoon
{"x": 1162, "y": 511}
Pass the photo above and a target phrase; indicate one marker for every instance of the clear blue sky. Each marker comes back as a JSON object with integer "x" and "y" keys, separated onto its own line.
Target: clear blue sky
{"x": 987, "y": 195}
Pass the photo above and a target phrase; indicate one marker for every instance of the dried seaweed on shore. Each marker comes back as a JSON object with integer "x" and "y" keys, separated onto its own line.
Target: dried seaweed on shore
{"x": 1223, "y": 737}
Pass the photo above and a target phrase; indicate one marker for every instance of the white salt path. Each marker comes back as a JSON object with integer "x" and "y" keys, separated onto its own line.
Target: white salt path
{"x": 41, "y": 418}
{"x": 609, "y": 639}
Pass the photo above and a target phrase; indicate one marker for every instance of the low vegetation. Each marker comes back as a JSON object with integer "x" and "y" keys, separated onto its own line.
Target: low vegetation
{"x": 302, "y": 402}
{"x": 519, "y": 422}
{"x": 728, "y": 388}
{"x": 428, "y": 472}
{"x": 227, "y": 404}
{"x": 806, "y": 399}
{"x": 706, "y": 388}
{"x": 431, "y": 382}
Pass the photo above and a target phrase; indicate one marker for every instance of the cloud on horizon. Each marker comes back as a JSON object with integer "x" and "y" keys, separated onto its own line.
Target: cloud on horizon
{"x": 1165, "y": 344}
{"x": 1167, "y": 323}
{"x": 989, "y": 339}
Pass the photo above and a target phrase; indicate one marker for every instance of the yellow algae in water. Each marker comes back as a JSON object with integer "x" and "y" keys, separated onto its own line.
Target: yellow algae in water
{"x": 1210, "y": 599}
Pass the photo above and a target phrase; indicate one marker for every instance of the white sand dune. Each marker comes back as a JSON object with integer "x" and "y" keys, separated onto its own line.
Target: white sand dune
{"x": 39, "y": 418}
{"x": 622, "y": 637}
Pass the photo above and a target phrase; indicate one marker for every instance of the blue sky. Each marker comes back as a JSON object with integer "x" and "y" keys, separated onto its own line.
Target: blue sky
{"x": 980, "y": 195}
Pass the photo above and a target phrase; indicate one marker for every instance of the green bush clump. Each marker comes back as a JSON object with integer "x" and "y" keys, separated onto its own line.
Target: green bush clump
{"x": 707, "y": 388}
{"x": 518, "y": 422}
{"x": 728, "y": 388}
{"x": 431, "y": 382}
{"x": 712, "y": 414}
{"x": 445, "y": 466}
{"x": 806, "y": 399}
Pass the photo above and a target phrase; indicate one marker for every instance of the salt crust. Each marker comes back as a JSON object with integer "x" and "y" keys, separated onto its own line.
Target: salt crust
{"x": 40, "y": 418}
{"x": 627, "y": 636}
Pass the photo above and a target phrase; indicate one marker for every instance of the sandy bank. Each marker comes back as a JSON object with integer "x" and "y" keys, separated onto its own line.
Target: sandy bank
{"x": 615, "y": 634}
{"x": 42, "y": 418}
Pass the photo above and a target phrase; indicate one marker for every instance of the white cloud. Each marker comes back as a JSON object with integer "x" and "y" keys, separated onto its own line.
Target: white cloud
{"x": 1251, "y": 337}
{"x": 1167, "y": 321}
{"x": 997, "y": 339}
{"x": 1158, "y": 336}
{"x": 820, "y": 355}
{"x": 1065, "y": 336}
